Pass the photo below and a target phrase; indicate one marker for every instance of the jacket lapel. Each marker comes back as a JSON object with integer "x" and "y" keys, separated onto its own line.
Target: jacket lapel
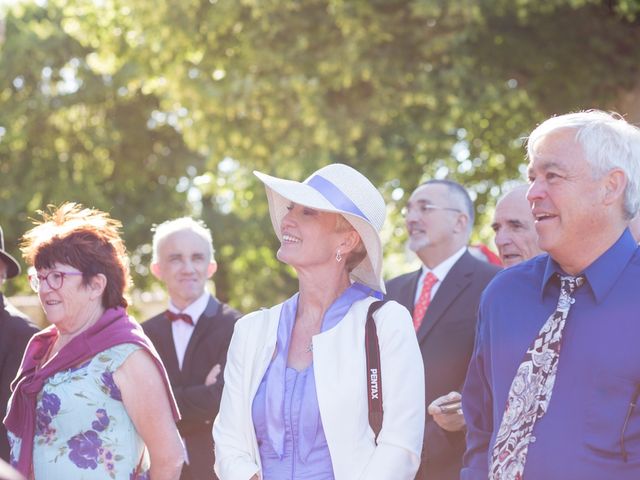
{"x": 206, "y": 323}
{"x": 407, "y": 295}
{"x": 167, "y": 349}
{"x": 453, "y": 284}
{"x": 267, "y": 343}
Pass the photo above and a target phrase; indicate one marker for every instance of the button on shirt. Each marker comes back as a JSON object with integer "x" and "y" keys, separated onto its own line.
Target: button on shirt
{"x": 598, "y": 371}
{"x": 439, "y": 271}
{"x": 182, "y": 331}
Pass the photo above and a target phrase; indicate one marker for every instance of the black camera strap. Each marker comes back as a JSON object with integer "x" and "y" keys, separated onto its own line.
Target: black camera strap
{"x": 374, "y": 373}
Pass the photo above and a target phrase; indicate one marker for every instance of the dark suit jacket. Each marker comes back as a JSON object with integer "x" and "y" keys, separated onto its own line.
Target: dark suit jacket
{"x": 15, "y": 332}
{"x": 198, "y": 403}
{"x": 446, "y": 339}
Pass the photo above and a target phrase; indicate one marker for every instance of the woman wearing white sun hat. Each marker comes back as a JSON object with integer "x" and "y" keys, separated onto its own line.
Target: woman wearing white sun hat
{"x": 295, "y": 401}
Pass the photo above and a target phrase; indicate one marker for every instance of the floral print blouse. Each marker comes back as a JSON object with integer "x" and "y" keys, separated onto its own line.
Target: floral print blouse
{"x": 83, "y": 431}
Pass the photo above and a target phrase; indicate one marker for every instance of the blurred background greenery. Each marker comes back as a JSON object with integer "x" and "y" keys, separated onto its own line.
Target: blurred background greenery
{"x": 156, "y": 109}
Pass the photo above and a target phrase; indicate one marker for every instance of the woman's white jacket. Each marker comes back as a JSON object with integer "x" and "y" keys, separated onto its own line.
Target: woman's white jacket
{"x": 339, "y": 367}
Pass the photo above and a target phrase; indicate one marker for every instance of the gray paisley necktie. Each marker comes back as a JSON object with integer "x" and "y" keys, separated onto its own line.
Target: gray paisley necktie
{"x": 531, "y": 390}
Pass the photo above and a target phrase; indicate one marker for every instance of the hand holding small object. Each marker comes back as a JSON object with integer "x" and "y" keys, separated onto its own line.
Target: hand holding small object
{"x": 447, "y": 412}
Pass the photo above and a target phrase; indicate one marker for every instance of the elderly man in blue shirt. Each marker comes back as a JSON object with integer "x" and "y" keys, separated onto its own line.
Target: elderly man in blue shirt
{"x": 535, "y": 410}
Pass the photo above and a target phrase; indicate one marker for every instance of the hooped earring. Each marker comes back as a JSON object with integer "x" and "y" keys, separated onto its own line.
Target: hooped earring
{"x": 338, "y": 256}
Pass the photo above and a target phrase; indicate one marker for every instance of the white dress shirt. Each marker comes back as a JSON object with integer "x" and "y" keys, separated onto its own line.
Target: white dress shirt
{"x": 439, "y": 271}
{"x": 182, "y": 331}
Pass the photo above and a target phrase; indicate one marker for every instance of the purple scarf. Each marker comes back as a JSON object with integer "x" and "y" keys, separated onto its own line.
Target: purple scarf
{"x": 310, "y": 412}
{"x": 113, "y": 328}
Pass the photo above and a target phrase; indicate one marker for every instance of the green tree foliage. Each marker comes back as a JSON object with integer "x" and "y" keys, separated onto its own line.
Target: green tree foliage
{"x": 155, "y": 109}
{"x": 70, "y": 132}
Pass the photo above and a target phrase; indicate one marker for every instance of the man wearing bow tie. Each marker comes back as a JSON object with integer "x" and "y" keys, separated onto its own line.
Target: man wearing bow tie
{"x": 192, "y": 336}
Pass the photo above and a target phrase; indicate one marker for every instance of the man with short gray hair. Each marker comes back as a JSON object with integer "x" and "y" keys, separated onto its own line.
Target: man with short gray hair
{"x": 517, "y": 241}
{"x": 553, "y": 383}
{"x": 192, "y": 336}
{"x": 443, "y": 298}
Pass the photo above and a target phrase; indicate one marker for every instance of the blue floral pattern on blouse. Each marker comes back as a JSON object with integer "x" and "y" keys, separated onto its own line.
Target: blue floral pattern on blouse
{"x": 48, "y": 408}
{"x": 82, "y": 428}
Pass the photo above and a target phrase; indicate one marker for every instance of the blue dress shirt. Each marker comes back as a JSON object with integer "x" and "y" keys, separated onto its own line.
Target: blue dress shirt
{"x": 590, "y": 421}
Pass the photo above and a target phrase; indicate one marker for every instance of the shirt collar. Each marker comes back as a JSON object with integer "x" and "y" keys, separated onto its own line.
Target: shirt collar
{"x": 603, "y": 273}
{"x": 196, "y": 309}
{"x": 442, "y": 269}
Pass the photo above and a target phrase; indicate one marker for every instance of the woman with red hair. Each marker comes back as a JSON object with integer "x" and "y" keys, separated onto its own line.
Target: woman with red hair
{"x": 91, "y": 399}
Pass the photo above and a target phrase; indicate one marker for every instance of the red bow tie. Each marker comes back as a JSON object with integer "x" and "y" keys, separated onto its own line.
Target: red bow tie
{"x": 179, "y": 316}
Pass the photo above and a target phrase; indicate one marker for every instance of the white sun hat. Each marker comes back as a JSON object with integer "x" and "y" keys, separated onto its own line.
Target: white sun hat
{"x": 340, "y": 189}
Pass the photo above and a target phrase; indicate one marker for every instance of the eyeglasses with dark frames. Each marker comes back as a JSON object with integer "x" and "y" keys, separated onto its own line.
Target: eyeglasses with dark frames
{"x": 54, "y": 279}
{"x": 428, "y": 208}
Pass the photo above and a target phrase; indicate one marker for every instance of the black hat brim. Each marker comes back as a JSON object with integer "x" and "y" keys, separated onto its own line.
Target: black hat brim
{"x": 13, "y": 267}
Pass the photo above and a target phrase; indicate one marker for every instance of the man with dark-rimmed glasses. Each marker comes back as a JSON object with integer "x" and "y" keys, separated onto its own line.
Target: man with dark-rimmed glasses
{"x": 443, "y": 299}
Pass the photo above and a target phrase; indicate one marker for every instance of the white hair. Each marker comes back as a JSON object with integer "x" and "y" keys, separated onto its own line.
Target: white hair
{"x": 608, "y": 141}
{"x": 162, "y": 231}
